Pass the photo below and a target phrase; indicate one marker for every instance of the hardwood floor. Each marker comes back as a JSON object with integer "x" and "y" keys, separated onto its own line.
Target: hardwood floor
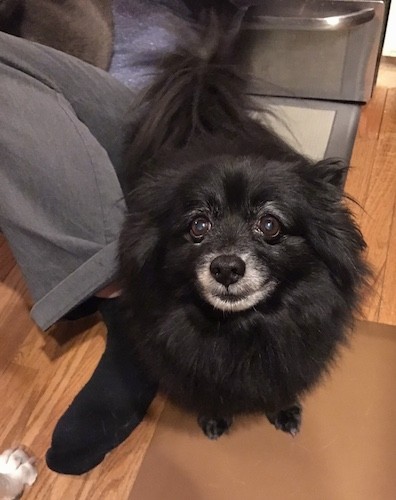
{"x": 40, "y": 373}
{"x": 372, "y": 182}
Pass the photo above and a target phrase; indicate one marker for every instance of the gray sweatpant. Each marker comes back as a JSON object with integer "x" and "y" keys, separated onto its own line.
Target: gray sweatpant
{"x": 63, "y": 125}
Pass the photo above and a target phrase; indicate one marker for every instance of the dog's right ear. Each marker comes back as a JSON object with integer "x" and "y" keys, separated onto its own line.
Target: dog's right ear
{"x": 332, "y": 171}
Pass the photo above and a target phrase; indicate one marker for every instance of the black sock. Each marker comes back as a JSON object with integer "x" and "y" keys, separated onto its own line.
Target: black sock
{"x": 107, "y": 409}
{"x": 86, "y": 308}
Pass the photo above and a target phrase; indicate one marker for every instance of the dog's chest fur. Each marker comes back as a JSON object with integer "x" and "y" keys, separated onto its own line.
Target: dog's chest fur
{"x": 249, "y": 364}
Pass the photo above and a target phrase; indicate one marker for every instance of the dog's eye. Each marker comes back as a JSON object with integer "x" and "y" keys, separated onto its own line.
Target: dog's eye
{"x": 199, "y": 227}
{"x": 270, "y": 227}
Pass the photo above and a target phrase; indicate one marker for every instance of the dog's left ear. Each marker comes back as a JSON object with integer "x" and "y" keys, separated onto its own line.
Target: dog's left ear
{"x": 333, "y": 172}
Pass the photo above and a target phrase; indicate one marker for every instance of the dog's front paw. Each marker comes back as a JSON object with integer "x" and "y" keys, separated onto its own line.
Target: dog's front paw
{"x": 288, "y": 420}
{"x": 213, "y": 428}
{"x": 18, "y": 468}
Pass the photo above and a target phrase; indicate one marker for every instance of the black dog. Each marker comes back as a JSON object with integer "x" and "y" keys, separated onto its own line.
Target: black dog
{"x": 242, "y": 266}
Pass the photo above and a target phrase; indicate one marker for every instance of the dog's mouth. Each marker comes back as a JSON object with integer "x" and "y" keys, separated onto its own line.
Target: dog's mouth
{"x": 253, "y": 287}
{"x": 234, "y": 303}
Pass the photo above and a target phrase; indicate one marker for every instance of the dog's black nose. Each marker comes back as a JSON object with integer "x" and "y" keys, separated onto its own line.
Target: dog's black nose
{"x": 227, "y": 269}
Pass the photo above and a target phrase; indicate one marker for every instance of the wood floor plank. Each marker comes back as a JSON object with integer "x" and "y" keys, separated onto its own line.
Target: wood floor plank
{"x": 388, "y": 123}
{"x": 387, "y": 312}
{"x": 377, "y": 221}
{"x": 15, "y": 323}
{"x": 359, "y": 175}
{"x": 7, "y": 261}
{"x": 371, "y": 117}
{"x": 16, "y": 402}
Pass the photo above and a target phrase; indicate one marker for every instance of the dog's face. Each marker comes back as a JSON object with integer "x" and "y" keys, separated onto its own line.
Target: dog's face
{"x": 236, "y": 230}
{"x": 237, "y": 224}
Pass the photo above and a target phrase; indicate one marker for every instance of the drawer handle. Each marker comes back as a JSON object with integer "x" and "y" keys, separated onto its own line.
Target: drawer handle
{"x": 314, "y": 23}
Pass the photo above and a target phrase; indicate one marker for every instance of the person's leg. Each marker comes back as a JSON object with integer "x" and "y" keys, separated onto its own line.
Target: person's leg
{"x": 61, "y": 206}
{"x": 61, "y": 209}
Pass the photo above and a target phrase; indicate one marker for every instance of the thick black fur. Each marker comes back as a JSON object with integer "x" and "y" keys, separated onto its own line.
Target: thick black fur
{"x": 196, "y": 152}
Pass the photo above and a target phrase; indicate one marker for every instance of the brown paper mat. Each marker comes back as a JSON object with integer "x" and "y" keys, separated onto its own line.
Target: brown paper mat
{"x": 345, "y": 451}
